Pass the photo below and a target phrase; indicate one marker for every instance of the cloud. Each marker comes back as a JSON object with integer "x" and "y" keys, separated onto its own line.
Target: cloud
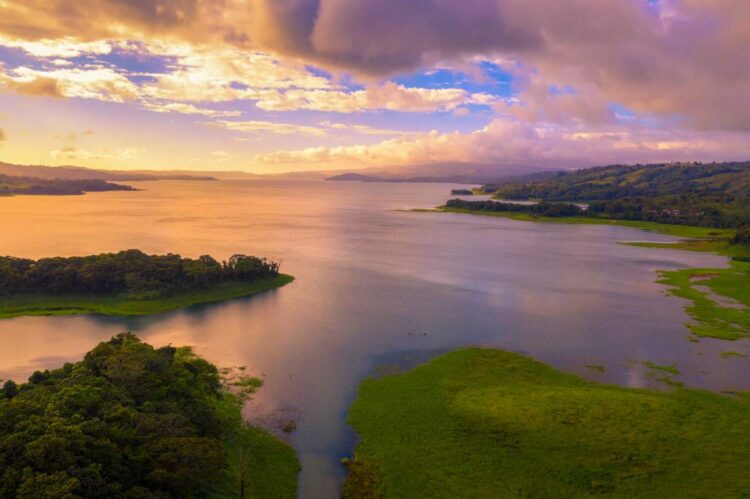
{"x": 388, "y": 96}
{"x": 82, "y": 154}
{"x": 100, "y": 83}
{"x": 184, "y": 108}
{"x": 66, "y": 47}
{"x": 678, "y": 67}
{"x": 269, "y": 127}
{"x": 361, "y": 129}
{"x": 3, "y": 137}
{"x": 512, "y": 142}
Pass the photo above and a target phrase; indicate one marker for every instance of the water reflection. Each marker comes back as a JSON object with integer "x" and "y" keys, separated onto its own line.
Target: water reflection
{"x": 375, "y": 286}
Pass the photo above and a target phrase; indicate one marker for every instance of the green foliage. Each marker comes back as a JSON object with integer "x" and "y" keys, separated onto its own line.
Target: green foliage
{"x": 742, "y": 237}
{"x": 712, "y": 195}
{"x": 722, "y": 310}
{"x": 130, "y": 272}
{"x": 127, "y": 420}
{"x": 488, "y": 423}
{"x": 720, "y": 235}
{"x": 124, "y": 305}
{"x": 540, "y": 209}
{"x": 131, "y": 421}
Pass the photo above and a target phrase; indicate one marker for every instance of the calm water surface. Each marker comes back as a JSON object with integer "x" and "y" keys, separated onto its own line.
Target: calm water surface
{"x": 375, "y": 286}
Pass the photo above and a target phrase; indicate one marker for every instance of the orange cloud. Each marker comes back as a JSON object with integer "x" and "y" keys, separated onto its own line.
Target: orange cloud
{"x": 513, "y": 143}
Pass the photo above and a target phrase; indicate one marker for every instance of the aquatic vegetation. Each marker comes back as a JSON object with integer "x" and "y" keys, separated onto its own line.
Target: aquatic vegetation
{"x": 489, "y": 423}
{"x": 719, "y": 299}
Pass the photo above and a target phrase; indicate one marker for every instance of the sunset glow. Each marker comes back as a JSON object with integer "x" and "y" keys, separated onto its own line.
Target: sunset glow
{"x": 278, "y": 85}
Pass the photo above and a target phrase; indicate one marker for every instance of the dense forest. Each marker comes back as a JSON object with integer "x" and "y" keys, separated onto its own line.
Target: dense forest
{"x": 10, "y": 185}
{"x": 130, "y": 272}
{"x": 712, "y": 195}
{"x": 543, "y": 208}
{"x": 128, "y": 421}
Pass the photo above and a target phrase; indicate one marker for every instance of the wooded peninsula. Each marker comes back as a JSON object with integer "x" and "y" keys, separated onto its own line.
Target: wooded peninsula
{"x": 11, "y": 185}
{"x": 128, "y": 283}
{"x": 132, "y": 421}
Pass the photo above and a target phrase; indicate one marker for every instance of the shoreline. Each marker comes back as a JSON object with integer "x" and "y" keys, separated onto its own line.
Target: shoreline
{"x": 54, "y": 305}
{"x": 687, "y": 231}
{"x": 711, "y": 318}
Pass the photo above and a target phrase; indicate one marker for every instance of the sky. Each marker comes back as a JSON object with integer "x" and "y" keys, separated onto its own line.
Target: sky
{"x": 270, "y": 86}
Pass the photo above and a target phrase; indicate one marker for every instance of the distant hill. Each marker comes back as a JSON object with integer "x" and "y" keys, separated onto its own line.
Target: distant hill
{"x": 458, "y": 173}
{"x": 10, "y": 185}
{"x": 81, "y": 173}
{"x": 711, "y": 194}
{"x": 727, "y": 180}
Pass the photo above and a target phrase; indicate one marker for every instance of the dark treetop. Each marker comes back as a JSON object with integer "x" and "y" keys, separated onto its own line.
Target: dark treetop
{"x": 131, "y": 273}
{"x": 10, "y": 185}
{"x": 127, "y": 421}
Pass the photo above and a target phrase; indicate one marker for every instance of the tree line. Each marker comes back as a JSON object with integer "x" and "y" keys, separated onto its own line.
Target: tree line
{"x": 540, "y": 209}
{"x": 130, "y": 272}
{"x": 10, "y": 185}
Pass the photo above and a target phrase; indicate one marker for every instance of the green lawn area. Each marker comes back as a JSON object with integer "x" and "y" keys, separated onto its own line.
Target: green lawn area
{"x": 723, "y": 309}
{"x": 20, "y": 305}
{"x": 267, "y": 466}
{"x": 486, "y": 423}
{"x": 686, "y": 231}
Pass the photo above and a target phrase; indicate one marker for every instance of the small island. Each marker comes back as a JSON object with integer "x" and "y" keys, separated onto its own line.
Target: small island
{"x": 128, "y": 283}
{"x": 461, "y": 192}
{"x": 11, "y": 186}
{"x": 134, "y": 421}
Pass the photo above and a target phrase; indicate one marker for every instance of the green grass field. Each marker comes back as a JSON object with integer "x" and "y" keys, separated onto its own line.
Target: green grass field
{"x": 686, "y": 231}
{"x": 723, "y": 309}
{"x": 266, "y": 466}
{"x": 21, "y": 305}
{"x": 487, "y": 423}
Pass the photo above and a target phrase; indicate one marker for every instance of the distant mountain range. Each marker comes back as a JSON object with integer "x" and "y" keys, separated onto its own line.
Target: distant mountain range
{"x": 81, "y": 173}
{"x": 462, "y": 173}
{"x": 458, "y": 173}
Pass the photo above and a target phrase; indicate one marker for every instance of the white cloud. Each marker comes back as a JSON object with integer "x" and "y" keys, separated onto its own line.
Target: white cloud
{"x": 268, "y": 127}
{"x": 82, "y": 154}
{"x": 66, "y": 47}
{"x": 513, "y": 142}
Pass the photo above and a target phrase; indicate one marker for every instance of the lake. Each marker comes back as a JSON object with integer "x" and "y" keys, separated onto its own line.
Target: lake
{"x": 376, "y": 288}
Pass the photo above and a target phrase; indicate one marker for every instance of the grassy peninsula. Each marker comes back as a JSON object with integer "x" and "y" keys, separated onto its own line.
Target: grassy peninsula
{"x": 488, "y": 423}
{"x": 128, "y": 283}
{"x": 133, "y": 421}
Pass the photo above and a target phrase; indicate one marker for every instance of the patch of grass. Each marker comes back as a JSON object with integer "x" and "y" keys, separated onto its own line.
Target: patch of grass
{"x": 669, "y": 369}
{"x": 489, "y": 423}
{"x": 260, "y": 465}
{"x": 711, "y": 318}
{"x": 729, "y": 354}
{"x": 721, "y": 246}
{"x": 686, "y": 231}
{"x": 21, "y": 305}
{"x": 596, "y": 367}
